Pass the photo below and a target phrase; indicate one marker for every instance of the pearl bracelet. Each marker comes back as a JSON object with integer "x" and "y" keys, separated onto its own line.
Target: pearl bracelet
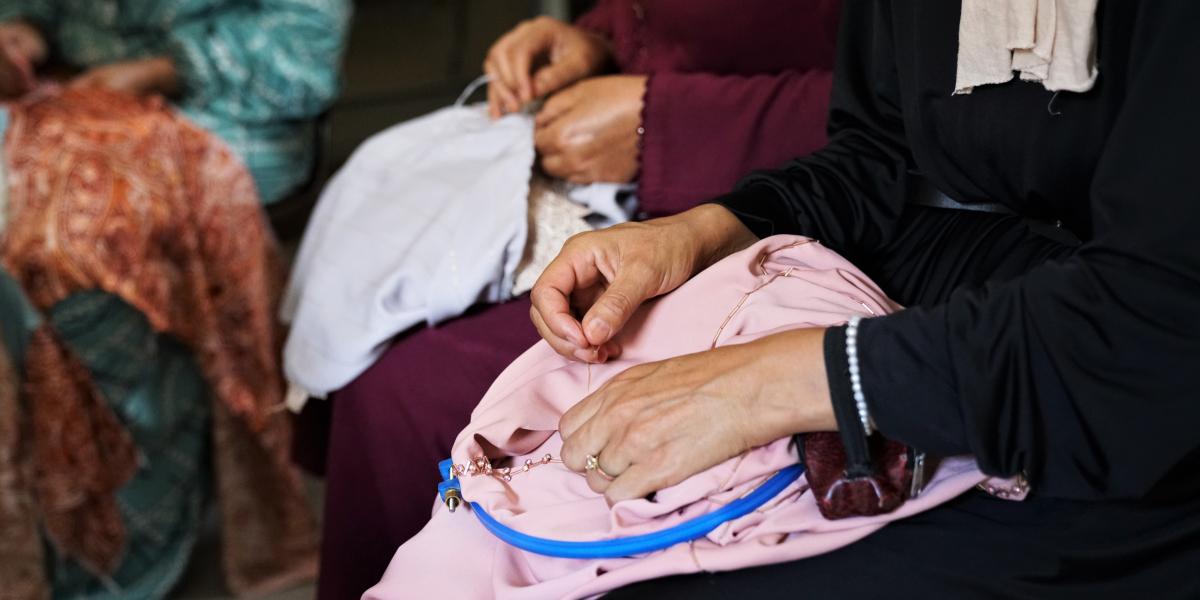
{"x": 860, "y": 400}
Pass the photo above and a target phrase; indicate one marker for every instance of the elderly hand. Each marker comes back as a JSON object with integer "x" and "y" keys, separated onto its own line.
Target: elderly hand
{"x": 138, "y": 77}
{"x": 588, "y": 132}
{"x": 22, "y": 48}
{"x": 537, "y": 58}
{"x": 659, "y": 423}
{"x": 586, "y": 295}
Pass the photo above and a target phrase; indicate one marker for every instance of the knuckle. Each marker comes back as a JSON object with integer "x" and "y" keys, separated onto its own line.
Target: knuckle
{"x": 579, "y": 241}
{"x": 619, "y": 302}
{"x": 540, "y": 296}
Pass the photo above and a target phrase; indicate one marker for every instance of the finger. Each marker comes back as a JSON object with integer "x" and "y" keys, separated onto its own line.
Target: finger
{"x": 579, "y": 414}
{"x": 588, "y": 439}
{"x": 556, "y": 106}
{"x": 638, "y": 481}
{"x": 555, "y": 165}
{"x": 545, "y": 140}
{"x": 551, "y": 307}
{"x": 522, "y": 59}
{"x": 632, "y": 286}
{"x": 507, "y": 100}
{"x": 598, "y": 479}
{"x": 493, "y": 98}
{"x": 557, "y": 75}
{"x": 551, "y": 297}
{"x": 562, "y": 346}
{"x": 609, "y": 351}
{"x": 500, "y": 81}
{"x": 507, "y": 80}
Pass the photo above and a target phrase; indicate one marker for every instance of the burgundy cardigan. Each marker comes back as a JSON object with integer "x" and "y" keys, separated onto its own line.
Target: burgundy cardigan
{"x": 734, "y": 86}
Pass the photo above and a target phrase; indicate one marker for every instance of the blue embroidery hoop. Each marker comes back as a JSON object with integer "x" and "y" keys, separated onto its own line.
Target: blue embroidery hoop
{"x": 634, "y": 545}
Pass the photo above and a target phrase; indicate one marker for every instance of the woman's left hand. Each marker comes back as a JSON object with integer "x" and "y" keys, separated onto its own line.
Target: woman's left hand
{"x": 138, "y": 77}
{"x": 588, "y": 132}
{"x": 659, "y": 423}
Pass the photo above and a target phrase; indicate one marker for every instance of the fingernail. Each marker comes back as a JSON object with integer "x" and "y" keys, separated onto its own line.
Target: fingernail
{"x": 602, "y": 355}
{"x": 598, "y": 331}
{"x": 585, "y": 354}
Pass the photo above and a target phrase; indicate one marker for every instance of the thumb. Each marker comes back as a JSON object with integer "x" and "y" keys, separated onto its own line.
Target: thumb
{"x": 617, "y": 304}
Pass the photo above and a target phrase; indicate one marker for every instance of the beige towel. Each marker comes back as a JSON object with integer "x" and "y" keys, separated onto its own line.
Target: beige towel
{"x": 1050, "y": 41}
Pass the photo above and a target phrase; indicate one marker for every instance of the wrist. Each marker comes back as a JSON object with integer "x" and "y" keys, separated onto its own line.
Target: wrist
{"x": 601, "y": 58}
{"x": 792, "y": 389}
{"x": 801, "y": 356}
{"x": 717, "y": 233}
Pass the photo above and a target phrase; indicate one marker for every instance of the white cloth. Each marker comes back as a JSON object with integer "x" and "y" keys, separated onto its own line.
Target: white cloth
{"x": 425, "y": 220}
{"x": 557, "y": 211}
{"x": 1048, "y": 41}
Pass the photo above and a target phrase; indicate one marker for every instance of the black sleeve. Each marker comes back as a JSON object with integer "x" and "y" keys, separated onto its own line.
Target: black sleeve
{"x": 1084, "y": 372}
{"x": 849, "y": 194}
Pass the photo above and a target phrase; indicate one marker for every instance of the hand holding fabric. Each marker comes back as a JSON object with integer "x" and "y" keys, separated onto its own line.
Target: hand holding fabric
{"x": 588, "y": 133}
{"x": 606, "y": 275}
{"x": 659, "y": 423}
{"x": 22, "y": 48}
{"x": 138, "y": 77}
{"x": 540, "y": 57}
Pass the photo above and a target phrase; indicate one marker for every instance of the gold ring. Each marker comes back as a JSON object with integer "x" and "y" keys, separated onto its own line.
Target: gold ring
{"x": 592, "y": 463}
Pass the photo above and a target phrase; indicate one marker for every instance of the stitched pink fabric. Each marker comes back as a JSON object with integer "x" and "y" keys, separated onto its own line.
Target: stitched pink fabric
{"x": 781, "y": 283}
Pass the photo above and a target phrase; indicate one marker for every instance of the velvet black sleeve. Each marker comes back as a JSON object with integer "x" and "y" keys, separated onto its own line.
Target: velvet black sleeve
{"x": 849, "y": 194}
{"x": 1085, "y": 372}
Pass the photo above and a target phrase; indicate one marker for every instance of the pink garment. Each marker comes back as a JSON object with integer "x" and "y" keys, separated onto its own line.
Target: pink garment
{"x": 781, "y": 283}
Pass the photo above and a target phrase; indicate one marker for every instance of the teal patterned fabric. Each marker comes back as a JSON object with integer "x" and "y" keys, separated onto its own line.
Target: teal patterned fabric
{"x": 255, "y": 72}
{"x": 159, "y": 393}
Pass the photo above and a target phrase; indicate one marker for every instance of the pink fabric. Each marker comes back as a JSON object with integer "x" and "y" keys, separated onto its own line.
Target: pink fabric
{"x": 781, "y": 283}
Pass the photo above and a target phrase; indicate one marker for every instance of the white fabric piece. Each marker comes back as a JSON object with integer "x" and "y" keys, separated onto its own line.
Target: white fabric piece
{"x": 425, "y": 220}
{"x": 1048, "y": 41}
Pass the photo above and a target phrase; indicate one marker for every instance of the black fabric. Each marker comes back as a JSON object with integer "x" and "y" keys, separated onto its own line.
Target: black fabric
{"x": 1072, "y": 362}
{"x": 845, "y": 410}
{"x": 977, "y": 546}
{"x": 1076, "y": 366}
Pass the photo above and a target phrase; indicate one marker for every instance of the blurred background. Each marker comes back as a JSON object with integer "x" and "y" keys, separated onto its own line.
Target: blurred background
{"x": 405, "y": 58}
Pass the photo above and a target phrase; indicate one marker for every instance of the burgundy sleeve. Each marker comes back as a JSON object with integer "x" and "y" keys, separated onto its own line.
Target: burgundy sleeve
{"x": 705, "y": 132}
{"x": 599, "y": 19}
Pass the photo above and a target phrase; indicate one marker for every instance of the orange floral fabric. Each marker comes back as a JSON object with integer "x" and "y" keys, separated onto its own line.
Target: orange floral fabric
{"x": 123, "y": 195}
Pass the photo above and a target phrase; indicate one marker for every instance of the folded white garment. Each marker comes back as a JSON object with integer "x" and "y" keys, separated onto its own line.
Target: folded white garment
{"x": 425, "y": 220}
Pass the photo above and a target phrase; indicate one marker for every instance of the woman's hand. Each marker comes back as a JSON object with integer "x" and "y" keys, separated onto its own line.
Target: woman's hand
{"x": 137, "y": 77}
{"x": 659, "y": 423}
{"x": 540, "y": 57}
{"x": 588, "y": 132}
{"x": 22, "y": 49}
{"x": 586, "y": 295}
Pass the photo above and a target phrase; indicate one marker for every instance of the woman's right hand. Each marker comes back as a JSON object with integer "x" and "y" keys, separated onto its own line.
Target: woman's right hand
{"x": 588, "y": 293}
{"x": 22, "y": 48}
{"x": 537, "y": 58}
